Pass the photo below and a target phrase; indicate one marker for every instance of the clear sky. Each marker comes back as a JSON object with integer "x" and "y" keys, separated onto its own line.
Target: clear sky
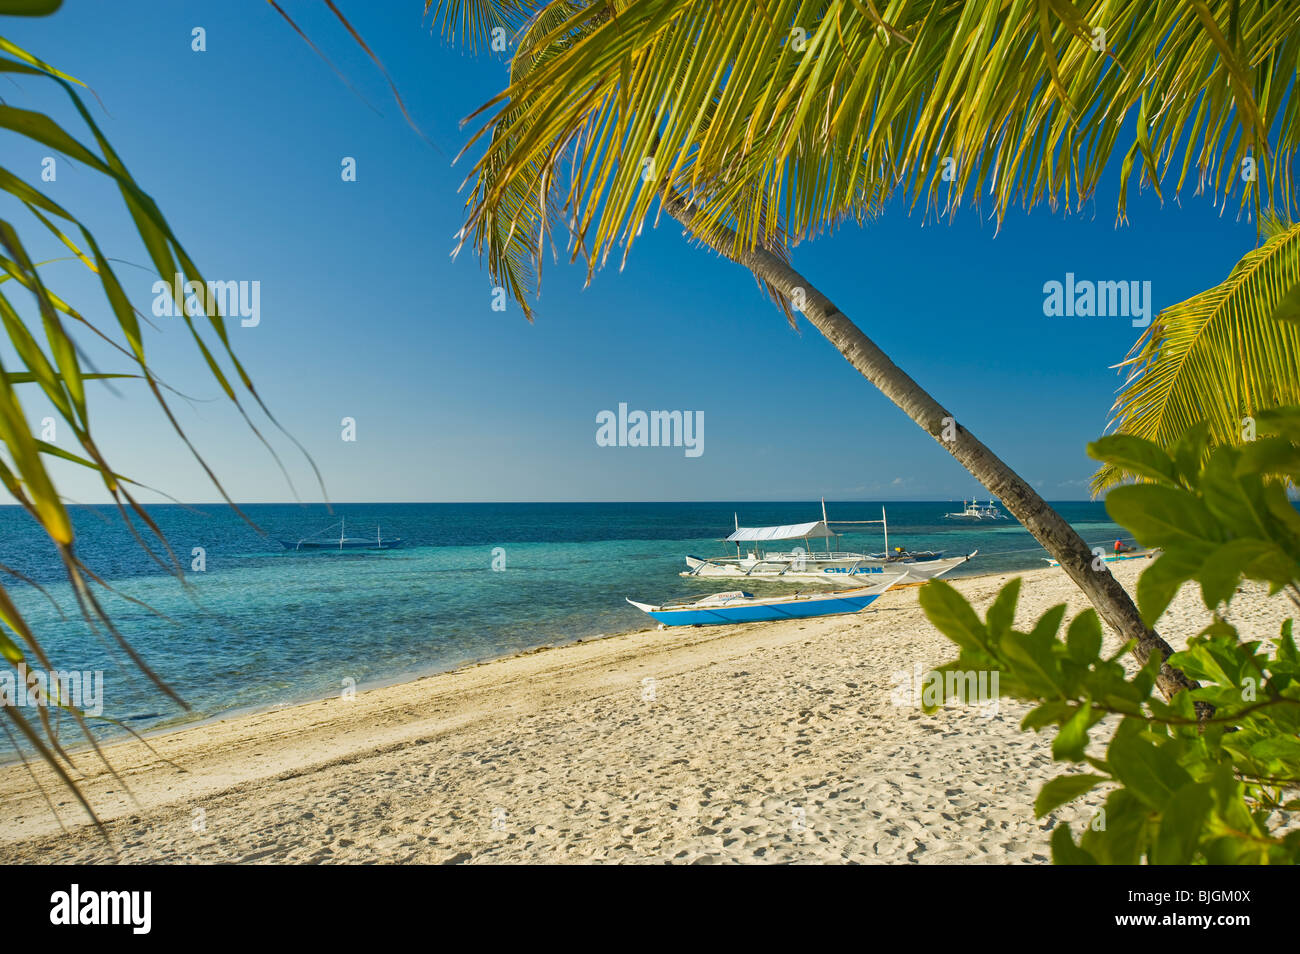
{"x": 365, "y": 315}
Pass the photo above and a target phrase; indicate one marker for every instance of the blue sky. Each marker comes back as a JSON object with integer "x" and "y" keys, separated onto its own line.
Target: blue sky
{"x": 365, "y": 315}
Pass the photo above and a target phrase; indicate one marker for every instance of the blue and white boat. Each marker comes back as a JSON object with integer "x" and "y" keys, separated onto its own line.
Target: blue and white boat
{"x": 737, "y": 606}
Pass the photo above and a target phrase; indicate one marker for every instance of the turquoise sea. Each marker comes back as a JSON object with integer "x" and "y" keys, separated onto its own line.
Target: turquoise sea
{"x": 261, "y": 626}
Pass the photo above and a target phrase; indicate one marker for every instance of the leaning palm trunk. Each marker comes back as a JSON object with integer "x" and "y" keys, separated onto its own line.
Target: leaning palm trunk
{"x": 1048, "y": 527}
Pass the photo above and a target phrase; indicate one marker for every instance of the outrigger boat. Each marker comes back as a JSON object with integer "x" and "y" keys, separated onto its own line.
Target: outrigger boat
{"x": 831, "y": 566}
{"x": 343, "y": 541}
{"x": 973, "y": 511}
{"x": 736, "y": 606}
{"x": 1119, "y": 557}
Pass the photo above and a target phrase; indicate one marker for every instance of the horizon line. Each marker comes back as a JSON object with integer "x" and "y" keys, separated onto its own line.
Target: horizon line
{"x": 412, "y": 503}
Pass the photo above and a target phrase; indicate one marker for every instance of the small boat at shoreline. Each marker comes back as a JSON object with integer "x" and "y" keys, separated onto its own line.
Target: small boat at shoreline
{"x": 806, "y": 565}
{"x": 737, "y": 606}
{"x": 1119, "y": 557}
{"x": 973, "y": 511}
{"x": 342, "y": 541}
{"x": 833, "y": 567}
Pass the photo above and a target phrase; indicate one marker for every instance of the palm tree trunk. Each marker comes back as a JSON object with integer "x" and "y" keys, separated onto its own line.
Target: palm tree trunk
{"x": 1058, "y": 537}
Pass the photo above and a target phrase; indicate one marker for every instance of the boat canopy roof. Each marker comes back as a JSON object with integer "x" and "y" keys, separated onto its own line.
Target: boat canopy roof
{"x": 790, "y": 531}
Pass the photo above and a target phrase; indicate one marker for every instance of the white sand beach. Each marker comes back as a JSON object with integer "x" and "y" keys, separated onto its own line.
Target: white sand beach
{"x": 765, "y": 743}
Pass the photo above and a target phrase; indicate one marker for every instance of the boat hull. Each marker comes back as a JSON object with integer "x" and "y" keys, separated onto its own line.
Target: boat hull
{"x": 345, "y": 545}
{"x": 1119, "y": 557}
{"x": 839, "y": 573}
{"x": 750, "y": 610}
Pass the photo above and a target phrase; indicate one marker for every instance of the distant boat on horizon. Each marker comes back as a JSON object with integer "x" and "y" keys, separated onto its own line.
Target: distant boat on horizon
{"x": 343, "y": 541}
{"x": 973, "y": 511}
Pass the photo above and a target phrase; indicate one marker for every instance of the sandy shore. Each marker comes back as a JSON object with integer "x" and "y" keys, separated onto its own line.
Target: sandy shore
{"x": 767, "y": 743}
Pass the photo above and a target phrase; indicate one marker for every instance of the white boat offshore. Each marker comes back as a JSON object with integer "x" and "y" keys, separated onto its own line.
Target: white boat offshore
{"x": 832, "y": 566}
{"x": 973, "y": 511}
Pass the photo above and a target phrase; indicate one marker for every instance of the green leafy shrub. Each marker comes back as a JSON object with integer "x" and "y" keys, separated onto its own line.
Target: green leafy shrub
{"x": 1185, "y": 787}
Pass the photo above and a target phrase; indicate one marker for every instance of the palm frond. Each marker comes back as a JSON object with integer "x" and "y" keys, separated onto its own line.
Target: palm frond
{"x": 51, "y": 361}
{"x": 1218, "y": 357}
{"x": 473, "y": 21}
{"x": 780, "y": 118}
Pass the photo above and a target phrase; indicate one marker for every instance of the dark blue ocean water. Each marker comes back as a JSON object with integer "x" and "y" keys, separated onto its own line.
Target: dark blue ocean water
{"x": 262, "y": 626}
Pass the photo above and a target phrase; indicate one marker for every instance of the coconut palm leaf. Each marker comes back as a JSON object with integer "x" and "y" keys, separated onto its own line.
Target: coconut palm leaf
{"x": 786, "y": 116}
{"x": 472, "y": 22}
{"x": 39, "y": 324}
{"x": 1218, "y": 357}
{"x": 1288, "y": 308}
